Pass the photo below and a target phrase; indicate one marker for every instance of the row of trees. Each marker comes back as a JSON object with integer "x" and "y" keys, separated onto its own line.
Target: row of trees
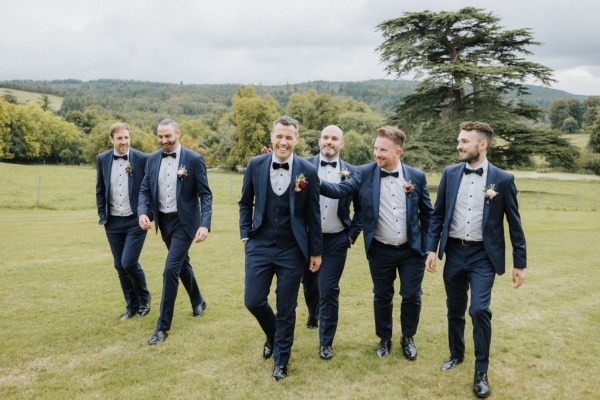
{"x": 571, "y": 116}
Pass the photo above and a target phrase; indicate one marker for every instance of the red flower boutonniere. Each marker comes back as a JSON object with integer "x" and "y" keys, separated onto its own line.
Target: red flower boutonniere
{"x": 344, "y": 174}
{"x": 301, "y": 182}
{"x": 129, "y": 169}
{"x": 489, "y": 192}
{"x": 182, "y": 173}
{"x": 408, "y": 187}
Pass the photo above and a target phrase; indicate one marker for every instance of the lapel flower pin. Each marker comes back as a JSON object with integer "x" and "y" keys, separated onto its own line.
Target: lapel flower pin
{"x": 301, "y": 182}
{"x": 408, "y": 187}
{"x": 344, "y": 174}
{"x": 182, "y": 172}
{"x": 489, "y": 192}
{"x": 129, "y": 169}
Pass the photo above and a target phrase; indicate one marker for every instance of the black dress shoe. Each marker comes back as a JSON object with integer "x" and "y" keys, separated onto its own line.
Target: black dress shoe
{"x": 408, "y": 348}
{"x": 312, "y": 323}
{"x": 451, "y": 363}
{"x": 384, "y": 348}
{"x": 268, "y": 349}
{"x": 158, "y": 337}
{"x": 481, "y": 387}
{"x": 279, "y": 372}
{"x": 326, "y": 353}
{"x": 128, "y": 314}
{"x": 144, "y": 308}
{"x": 199, "y": 309}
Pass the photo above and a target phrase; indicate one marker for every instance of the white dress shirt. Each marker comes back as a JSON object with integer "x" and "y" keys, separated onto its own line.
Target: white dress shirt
{"x": 330, "y": 222}
{"x": 167, "y": 182}
{"x": 281, "y": 178}
{"x": 467, "y": 218}
{"x": 391, "y": 226}
{"x": 119, "y": 188}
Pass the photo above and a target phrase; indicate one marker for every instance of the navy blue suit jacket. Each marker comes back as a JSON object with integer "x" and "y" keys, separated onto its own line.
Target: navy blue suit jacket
{"x": 194, "y": 197}
{"x": 353, "y": 226}
{"x": 367, "y": 183}
{"x": 504, "y": 204}
{"x": 137, "y": 160}
{"x": 305, "y": 211}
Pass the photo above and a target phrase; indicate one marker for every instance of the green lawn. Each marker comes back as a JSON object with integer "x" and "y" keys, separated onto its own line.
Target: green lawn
{"x": 61, "y": 337}
{"x": 24, "y": 97}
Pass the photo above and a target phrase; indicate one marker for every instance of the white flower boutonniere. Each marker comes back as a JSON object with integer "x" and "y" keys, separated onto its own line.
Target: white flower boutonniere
{"x": 344, "y": 174}
{"x": 301, "y": 182}
{"x": 408, "y": 187}
{"x": 129, "y": 169}
{"x": 489, "y": 192}
{"x": 182, "y": 172}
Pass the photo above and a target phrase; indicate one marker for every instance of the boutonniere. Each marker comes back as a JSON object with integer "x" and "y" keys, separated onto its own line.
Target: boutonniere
{"x": 408, "y": 187}
{"x": 129, "y": 169}
{"x": 301, "y": 182}
{"x": 344, "y": 174}
{"x": 182, "y": 172}
{"x": 489, "y": 192}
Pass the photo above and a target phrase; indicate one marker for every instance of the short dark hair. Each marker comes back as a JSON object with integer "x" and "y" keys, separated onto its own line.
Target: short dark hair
{"x": 481, "y": 127}
{"x": 169, "y": 122}
{"x": 393, "y": 133}
{"x": 118, "y": 127}
{"x": 286, "y": 121}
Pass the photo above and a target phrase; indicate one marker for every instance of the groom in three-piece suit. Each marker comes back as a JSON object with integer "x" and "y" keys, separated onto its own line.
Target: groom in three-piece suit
{"x": 468, "y": 224}
{"x": 321, "y": 289}
{"x": 119, "y": 176}
{"x": 395, "y": 213}
{"x": 175, "y": 194}
{"x": 281, "y": 231}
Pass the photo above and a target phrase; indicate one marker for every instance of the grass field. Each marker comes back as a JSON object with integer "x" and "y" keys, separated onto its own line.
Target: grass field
{"x": 61, "y": 337}
{"x": 24, "y": 97}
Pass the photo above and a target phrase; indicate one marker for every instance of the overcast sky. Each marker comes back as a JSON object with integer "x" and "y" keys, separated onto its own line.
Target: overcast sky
{"x": 262, "y": 41}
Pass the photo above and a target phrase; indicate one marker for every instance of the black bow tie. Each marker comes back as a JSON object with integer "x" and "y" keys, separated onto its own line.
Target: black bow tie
{"x": 284, "y": 165}
{"x": 325, "y": 163}
{"x": 116, "y": 157}
{"x": 478, "y": 171}
{"x": 384, "y": 174}
{"x": 164, "y": 155}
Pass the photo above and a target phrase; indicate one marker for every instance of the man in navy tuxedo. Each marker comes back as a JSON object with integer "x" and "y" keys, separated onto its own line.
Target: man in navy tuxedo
{"x": 321, "y": 289}
{"x": 281, "y": 230}
{"x": 468, "y": 224}
{"x": 395, "y": 212}
{"x": 120, "y": 173}
{"x": 175, "y": 194}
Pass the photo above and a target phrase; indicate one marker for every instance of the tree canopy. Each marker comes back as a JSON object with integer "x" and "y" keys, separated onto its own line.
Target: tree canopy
{"x": 469, "y": 65}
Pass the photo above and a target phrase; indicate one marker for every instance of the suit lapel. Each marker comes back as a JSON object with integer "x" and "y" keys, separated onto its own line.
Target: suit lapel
{"x": 107, "y": 169}
{"x": 407, "y": 178}
{"x": 130, "y": 177}
{"x": 491, "y": 178}
{"x": 264, "y": 177}
{"x": 295, "y": 172}
{"x": 375, "y": 194}
{"x": 453, "y": 185}
{"x": 182, "y": 160}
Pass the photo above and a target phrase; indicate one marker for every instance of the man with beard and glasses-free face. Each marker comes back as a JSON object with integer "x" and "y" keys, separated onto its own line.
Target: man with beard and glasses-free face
{"x": 119, "y": 176}
{"x": 281, "y": 230}
{"x": 395, "y": 213}
{"x": 321, "y": 289}
{"x": 473, "y": 199}
{"x": 175, "y": 194}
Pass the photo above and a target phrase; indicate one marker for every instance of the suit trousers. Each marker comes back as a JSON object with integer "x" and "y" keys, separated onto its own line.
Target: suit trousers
{"x": 384, "y": 262}
{"x": 177, "y": 265}
{"x": 263, "y": 262}
{"x": 126, "y": 240}
{"x": 335, "y": 250}
{"x": 469, "y": 267}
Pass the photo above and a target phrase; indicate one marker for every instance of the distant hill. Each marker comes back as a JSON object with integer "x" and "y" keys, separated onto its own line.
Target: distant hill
{"x": 34, "y": 97}
{"x": 200, "y": 99}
